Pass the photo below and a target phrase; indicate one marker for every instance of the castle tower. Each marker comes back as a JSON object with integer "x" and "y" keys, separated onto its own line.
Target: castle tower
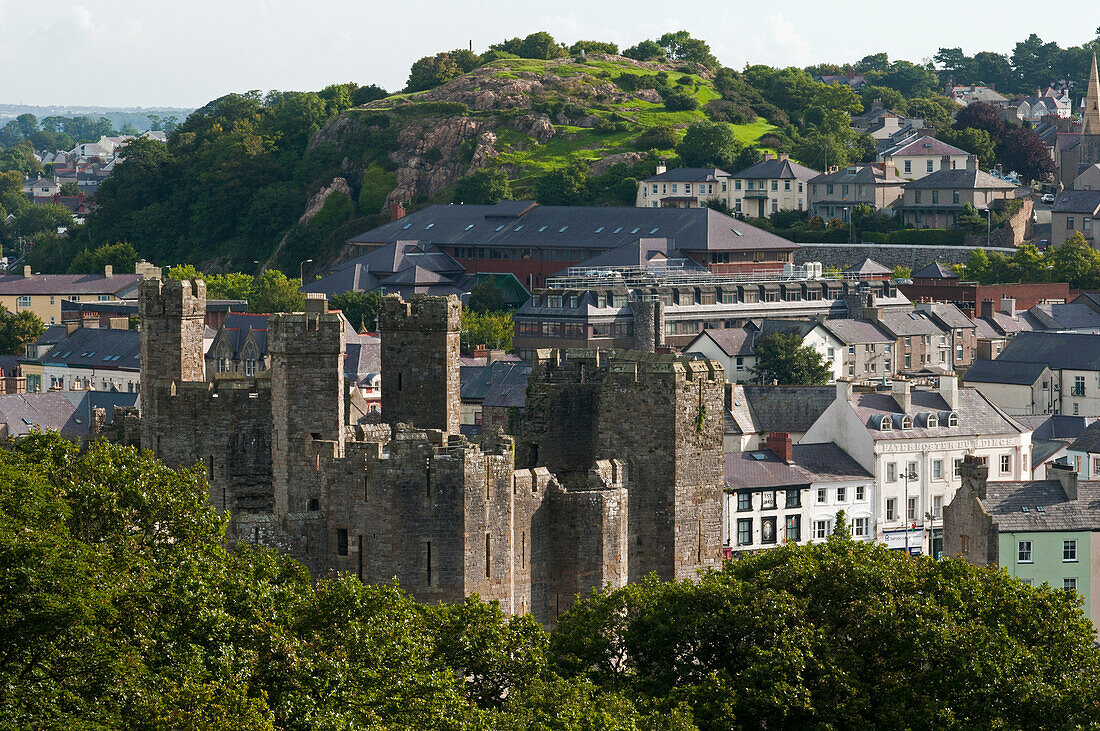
{"x": 172, "y": 315}
{"x": 307, "y": 399}
{"x": 420, "y": 349}
{"x": 1091, "y": 114}
{"x": 172, "y": 324}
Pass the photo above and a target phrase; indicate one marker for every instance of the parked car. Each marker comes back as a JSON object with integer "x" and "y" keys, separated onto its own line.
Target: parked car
{"x": 1048, "y": 198}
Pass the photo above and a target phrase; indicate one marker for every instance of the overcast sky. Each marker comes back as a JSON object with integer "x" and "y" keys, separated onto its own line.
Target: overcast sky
{"x": 157, "y": 53}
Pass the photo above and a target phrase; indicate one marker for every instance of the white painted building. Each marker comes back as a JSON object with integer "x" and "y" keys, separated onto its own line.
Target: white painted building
{"x": 913, "y": 441}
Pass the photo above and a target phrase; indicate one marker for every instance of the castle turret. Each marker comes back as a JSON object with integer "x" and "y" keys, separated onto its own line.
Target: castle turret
{"x": 420, "y": 351}
{"x": 172, "y": 315}
{"x": 307, "y": 399}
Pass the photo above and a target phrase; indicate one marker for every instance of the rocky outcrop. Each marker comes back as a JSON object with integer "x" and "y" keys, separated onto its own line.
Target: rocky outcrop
{"x": 317, "y": 202}
{"x": 604, "y": 164}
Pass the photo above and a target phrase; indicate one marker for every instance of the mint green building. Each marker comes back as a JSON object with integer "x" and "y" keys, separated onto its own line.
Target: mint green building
{"x": 1040, "y": 531}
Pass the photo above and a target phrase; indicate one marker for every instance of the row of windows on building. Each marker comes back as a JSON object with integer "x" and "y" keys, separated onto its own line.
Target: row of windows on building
{"x": 1086, "y": 223}
{"x": 225, "y": 365}
{"x": 792, "y": 529}
{"x": 1025, "y": 551}
{"x": 793, "y": 498}
{"x": 936, "y": 466}
{"x": 521, "y": 253}
{"x": 830, "y": 189}
{"x": 80, "y": 383}
{"x": 918, "y": 196}
{"x": 26, "y": 300}
{"x": 912, "y": 508}
{"x": 710, "y": 188}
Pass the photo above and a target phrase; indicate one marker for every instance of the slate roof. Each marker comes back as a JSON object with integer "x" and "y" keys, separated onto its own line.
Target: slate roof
{"x": 237, "y": 325}
{"x": 985, "y": 330}
{"x": 1005, "y": 502}
{"x": 1009, "y": 373}
{"x": 400, "y": 262}
{"x": 826, "y": 462}
{"x": 788, "y": 408}
{"x": 510, "y": 391}
{"x": 1065, "y": 316}
{"x": 739, "y": 417}
{"x": 733, "y": 341}
{"x": 935, "y": 270}
{"x": 1042, "y": 450}
{"x": 97, "y": 348}
{"x": 925, "y": 145}
{"x": 961, "y": 178}
{"x": 1089, "y": 440}
{"x": 642, "y": 253}
{"x": 26, "y": 411}
{"x": 801, "y": 328}
{"x": 362, "y": 358}
{"x": 476, "y": 382}
{"x": 951, "y": 316}
{"x": 690, "y": 175}
{"x": 777, "y": 170}
{"x": 1072, "y": 351}
{"x": 868, "y": 266}
{"x": 509, "y": 224}
{"x": 765, "y": 470}
{"x": 1077, "y": 201}
{"x": 60, "y": 284}
{"x": 1061, "y": 427}
{"x": 851, "y": 332}
{"x": 907, "y": 324}
{"x": 977, "y": 415}
{"x": 866, "y": 174}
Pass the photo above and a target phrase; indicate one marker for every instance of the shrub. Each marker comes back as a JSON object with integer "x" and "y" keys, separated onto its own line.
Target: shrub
{"x": 678, "y": 100}
{"x": 661, "y": 137}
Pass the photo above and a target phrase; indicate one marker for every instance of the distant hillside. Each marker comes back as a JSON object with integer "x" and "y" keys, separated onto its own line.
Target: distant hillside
{"x": 137, "y": 117}
{"x": 526, "y": 116}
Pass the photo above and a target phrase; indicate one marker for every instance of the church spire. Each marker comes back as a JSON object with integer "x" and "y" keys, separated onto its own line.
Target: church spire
{"x": 1091, "y": 116}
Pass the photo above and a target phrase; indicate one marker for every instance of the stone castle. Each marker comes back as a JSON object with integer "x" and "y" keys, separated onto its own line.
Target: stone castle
{"x": 613, "y": 471}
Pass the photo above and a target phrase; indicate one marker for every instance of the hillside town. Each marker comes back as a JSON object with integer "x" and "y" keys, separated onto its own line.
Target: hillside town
{"x": 555, "y": 355}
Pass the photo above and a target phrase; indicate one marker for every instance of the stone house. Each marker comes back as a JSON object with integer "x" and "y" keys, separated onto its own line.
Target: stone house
{"x": 961, "y": 330}
{"x": 732, "y": 347}
{"x": 922, "y": 344}
{"x": 682, "y": 188}
{"x": 865, "y": 350}
{"x": 1039, "y": 531}
{"x": 771, "y": 185}
{"x": 914, "y": 158}
{"x": 936, "y": 199}
{"x": 835, "y": 193}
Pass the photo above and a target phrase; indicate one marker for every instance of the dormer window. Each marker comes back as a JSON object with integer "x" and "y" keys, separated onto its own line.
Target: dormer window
{"x": 933, "y": 421}
{"x": 952, "y": 419}
{"x": 885, "y": 424}
{"x": 906, "y": 422}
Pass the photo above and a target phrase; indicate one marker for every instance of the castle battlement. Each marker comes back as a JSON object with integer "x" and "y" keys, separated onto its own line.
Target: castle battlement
{"x": 179, "y": 298}
{"x": 420, "y": 312}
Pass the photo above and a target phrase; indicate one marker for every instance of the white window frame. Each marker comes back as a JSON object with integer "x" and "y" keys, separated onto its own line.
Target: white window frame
{"x": 1024, "y": 552}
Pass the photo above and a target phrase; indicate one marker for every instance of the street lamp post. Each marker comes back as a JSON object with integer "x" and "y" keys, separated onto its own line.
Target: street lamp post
{"x": 301, "y": 270}
{"x": 909, "y": 475}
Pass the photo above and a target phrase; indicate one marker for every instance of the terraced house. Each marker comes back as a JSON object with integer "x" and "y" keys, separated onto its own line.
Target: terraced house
{"x": 774, "y": 184}
{"x": 682, "y": 188}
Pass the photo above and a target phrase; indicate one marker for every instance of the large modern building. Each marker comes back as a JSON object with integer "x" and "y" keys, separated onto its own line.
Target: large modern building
{"x": 654, "y": 307}
{"x": 534, "y": 242}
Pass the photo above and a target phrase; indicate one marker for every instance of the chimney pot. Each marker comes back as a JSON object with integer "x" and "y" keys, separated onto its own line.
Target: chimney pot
{"x": 27, "y": 271}
{"x": 108, "y": 270}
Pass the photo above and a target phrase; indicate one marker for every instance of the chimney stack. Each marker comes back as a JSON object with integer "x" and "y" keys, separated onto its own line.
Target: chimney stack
{"x": 949, "y": 390}
{"x": 780, "y": 443}
{"x": 985, "y": 309}
{"x": 662, "y": 167}
{"x": 1066, "y": 475}
{"x": 1008, "y": 306}
{"x": 27, "y": 271}
{"x": 972, "y": 163}
{"x": 901, "y": 393}
{"x": 945, "y": 162}
{"x": 396, "y": 211}
{"x": 108, "y": 271}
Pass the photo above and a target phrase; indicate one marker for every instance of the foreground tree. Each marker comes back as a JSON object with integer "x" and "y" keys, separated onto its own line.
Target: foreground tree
{"x": 841, "y": 634}
{"x": 18, "y": 329}
{"x": 710, "y": 144}
{"x": 782, "y": 357}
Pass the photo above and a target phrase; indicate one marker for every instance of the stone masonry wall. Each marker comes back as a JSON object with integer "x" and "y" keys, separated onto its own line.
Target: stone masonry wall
{"x": 420, "y": 357}
{"x": 890, "y": 255}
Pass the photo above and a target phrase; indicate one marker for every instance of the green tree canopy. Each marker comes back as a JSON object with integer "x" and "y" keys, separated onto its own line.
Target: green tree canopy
{"x": 710, "y": 144}
{"x": 361, "y": 308}
{"x": 565, "y": 186}
{"x": 782, "y": 357}
{"x": 483, "y": 186}
{"x": 487, "y": 297}
{"x": 490, "y": 329}
{"x": 18, "y": 329}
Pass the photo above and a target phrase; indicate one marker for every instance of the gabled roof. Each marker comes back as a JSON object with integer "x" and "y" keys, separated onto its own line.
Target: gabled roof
{"x": 641, "y": 253}
{"x": 1005, "y": 502}
{"x": 977, "y": 415}
{"x": 788, "y": 408}
{"x": 801, "y": 328}
{"x": 476, "y": 382}
{"x": 1089, "y": 440}
{"x": 777, "y": 170}
{"x": 907, "y": 324}
{"x": 924, "y": 145}
{"x": 733, "y": 341}
{"x": 950, "y": 315}
{"x": 689, "y": 175}
{"x": 89, "y": 347}
{"x": 960, "y": 178}
{"x": 827, "y": 462}
{"x": 1066, "y": 316}
{"x": 852, "y": 332}
{"x": 23, "y": 412}
{"x": 761, "y": 469}
{"x": 1077, "y": 201}
{"x": 1009, "y": 373}
{"x": 362, "y": 358}
{"x": 1072, "y": 351}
